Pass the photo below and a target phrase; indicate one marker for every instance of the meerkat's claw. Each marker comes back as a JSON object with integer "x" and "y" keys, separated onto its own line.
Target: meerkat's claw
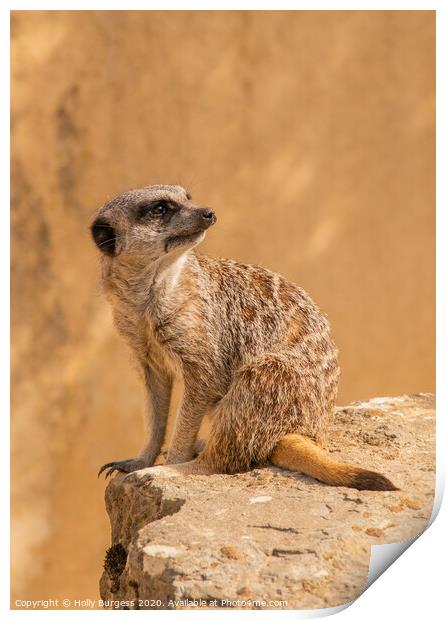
{"x": 127, "y": 466}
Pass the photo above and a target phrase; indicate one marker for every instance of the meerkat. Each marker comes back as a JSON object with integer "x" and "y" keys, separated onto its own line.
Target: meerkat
{"x": 246, "y": 346}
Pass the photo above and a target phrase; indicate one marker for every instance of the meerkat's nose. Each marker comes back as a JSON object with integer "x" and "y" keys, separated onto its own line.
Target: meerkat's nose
{"x": 208, "y": 215}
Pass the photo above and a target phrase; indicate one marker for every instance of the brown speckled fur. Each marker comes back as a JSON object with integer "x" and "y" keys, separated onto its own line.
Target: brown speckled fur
{"x": 249, "y": 348}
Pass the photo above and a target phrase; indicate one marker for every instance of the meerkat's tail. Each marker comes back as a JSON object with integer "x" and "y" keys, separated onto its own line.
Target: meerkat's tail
{"x": 299, "y": 453}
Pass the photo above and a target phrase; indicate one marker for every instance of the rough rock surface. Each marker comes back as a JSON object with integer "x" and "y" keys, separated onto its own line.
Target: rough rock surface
{"x": 268, "y": 536}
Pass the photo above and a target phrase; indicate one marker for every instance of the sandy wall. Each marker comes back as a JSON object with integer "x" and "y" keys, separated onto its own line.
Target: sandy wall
{"x": 312, "y": 136}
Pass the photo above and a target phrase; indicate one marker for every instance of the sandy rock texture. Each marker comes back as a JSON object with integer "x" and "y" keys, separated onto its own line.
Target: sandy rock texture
{"x": 270, "y": 537}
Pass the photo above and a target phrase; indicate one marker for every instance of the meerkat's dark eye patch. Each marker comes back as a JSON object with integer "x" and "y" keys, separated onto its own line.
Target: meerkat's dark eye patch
{"x": 188, "y": 196}
{"x": 105, "y": 237}
{"x": 156, "y": 209}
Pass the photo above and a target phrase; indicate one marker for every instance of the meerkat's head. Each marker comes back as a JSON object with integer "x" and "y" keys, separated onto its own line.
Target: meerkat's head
{"x": 152, "y": 221}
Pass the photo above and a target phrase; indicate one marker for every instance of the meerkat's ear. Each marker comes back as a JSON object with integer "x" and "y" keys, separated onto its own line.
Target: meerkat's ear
{"x": 105, "y": 236}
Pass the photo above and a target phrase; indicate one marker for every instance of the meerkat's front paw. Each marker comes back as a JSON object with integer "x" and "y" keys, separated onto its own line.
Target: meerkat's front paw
{"x": 127, "y": 466}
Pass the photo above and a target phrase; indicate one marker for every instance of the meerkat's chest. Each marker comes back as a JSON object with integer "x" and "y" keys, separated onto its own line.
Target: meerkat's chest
{"x": 163, "y": 325}
{"x": 142, "y": 332}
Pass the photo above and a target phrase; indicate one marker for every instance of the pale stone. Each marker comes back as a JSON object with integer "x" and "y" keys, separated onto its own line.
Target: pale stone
{"x": 260, "y": 499}
{"x": 161, "y": 551}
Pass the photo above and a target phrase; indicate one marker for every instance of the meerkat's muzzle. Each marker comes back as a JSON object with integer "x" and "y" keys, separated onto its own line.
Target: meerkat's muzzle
{"x": 208, "y": 216}
{"x": 192, "y": 232}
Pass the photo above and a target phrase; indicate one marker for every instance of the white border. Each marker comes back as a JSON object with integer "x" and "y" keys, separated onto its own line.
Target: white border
{"x": 411, "y": 587}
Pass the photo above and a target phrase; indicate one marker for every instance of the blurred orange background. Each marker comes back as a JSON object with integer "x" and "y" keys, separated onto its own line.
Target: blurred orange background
{"x": 312, "y": 135}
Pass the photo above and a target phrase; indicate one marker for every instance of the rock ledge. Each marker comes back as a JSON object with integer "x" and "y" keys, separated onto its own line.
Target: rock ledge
{"x": 270, "y": 538}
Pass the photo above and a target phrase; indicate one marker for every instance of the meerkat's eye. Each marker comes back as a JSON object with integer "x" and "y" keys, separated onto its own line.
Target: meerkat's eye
{"x": 154, "y": 209}
{"x": 159, "y": 208}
